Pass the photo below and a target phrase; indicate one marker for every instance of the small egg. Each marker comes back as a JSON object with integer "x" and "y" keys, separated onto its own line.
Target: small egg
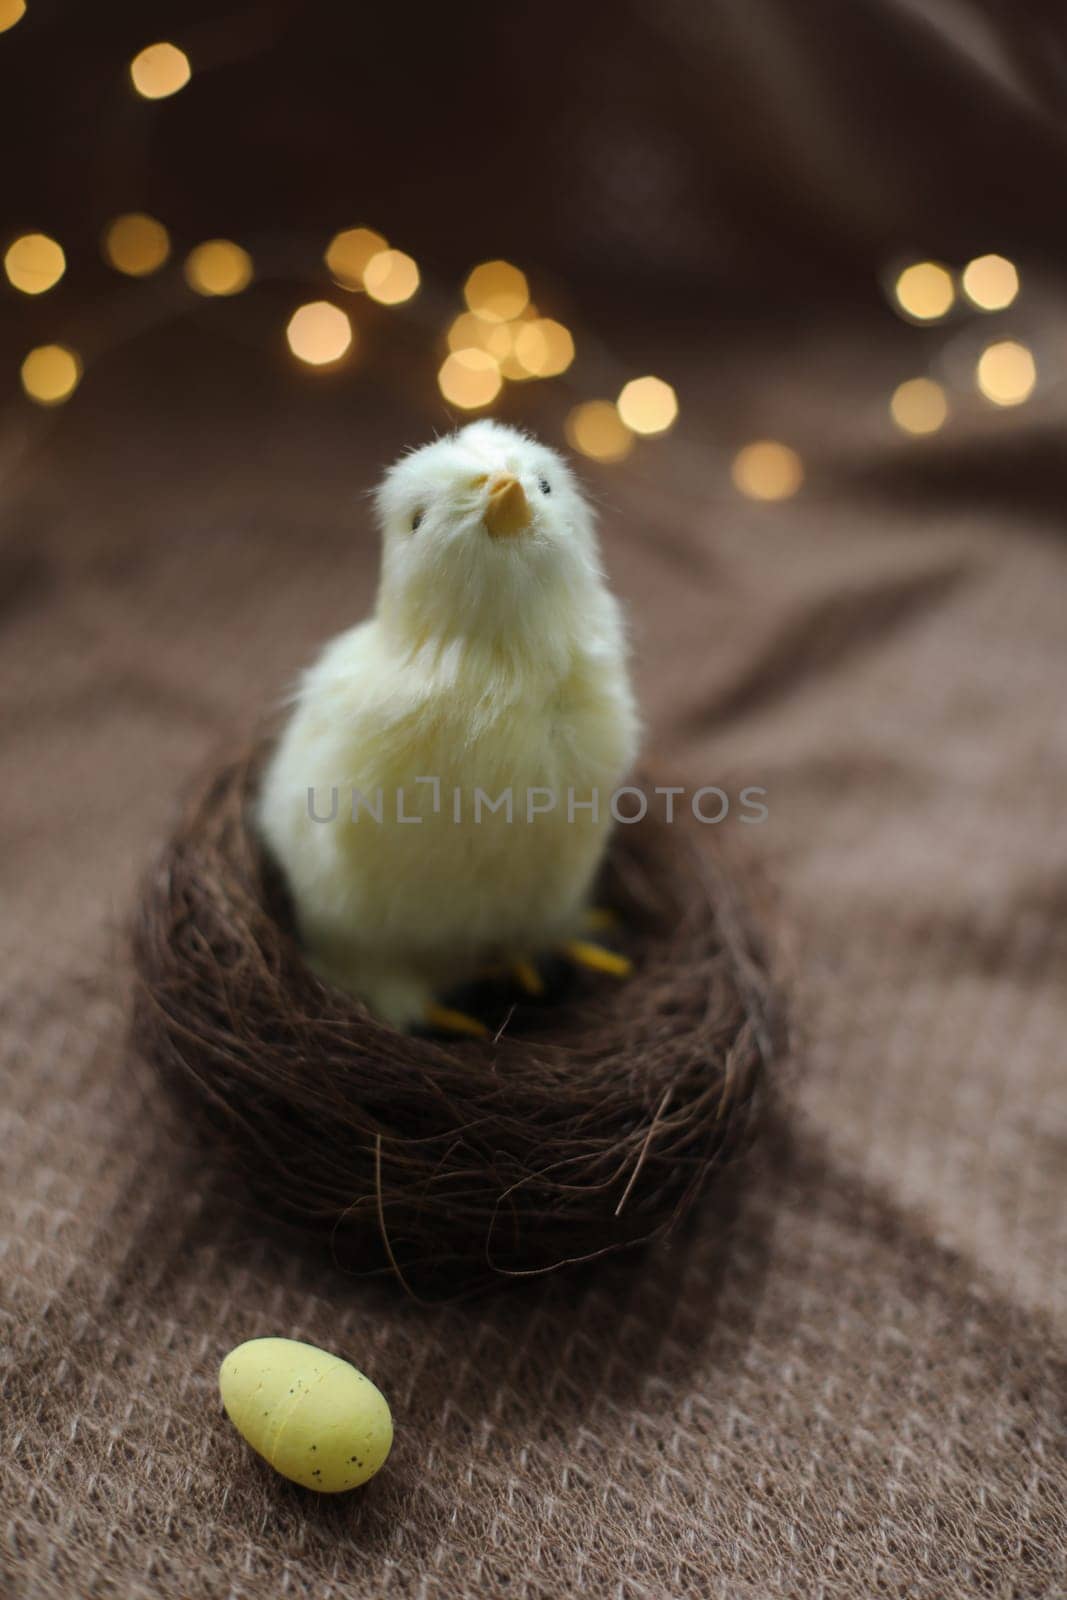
{"x": 312, "y": 1416}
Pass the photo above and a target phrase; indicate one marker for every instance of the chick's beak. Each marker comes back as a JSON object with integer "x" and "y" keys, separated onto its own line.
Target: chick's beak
{"x": 507, "y": 512}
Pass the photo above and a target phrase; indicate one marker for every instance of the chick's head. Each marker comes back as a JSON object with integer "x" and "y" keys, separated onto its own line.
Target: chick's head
{"x": 486, "y": 535}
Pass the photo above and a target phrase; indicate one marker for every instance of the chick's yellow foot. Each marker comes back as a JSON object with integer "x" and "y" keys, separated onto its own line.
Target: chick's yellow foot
{"x": 443, "y": 1019}
{"x": 597, "y": 959}
{"x": 527, "y": 977}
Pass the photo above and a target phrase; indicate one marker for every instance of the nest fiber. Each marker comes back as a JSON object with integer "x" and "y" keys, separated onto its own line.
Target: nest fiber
{"x": 587, "y": 1121}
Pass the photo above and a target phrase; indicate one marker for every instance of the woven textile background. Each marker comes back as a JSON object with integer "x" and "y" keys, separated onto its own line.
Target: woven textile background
{"x": 846, "y": 1382}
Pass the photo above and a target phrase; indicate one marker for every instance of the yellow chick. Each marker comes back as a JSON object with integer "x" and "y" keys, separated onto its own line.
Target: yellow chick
{"x": 439, "y": 800}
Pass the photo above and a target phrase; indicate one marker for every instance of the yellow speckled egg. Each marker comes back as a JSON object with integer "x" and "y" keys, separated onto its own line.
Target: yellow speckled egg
{"x": 311, "y": 1415}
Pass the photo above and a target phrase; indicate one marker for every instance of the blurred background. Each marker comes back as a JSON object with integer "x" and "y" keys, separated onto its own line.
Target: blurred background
{"x": 681, "y": 186}
{"x": 786, "y": 276}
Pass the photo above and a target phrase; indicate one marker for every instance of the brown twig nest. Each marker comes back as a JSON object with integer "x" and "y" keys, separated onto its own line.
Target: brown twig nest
{"x": 590, "y": 1121}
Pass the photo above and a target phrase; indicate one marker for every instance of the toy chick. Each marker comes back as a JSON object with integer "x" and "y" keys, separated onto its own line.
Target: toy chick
{"x": 438, "y": 800}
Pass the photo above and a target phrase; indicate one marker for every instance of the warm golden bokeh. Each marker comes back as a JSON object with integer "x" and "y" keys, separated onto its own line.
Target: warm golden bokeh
{"x": 919, "y": 406}
{"x": 990, "y": 282}
{"x": 767, "y": 470}
{"x": 50, "y": 374}
{"x": 34, "y": 263}
{"x": 11, "y": 11}
{"x": 218, "y": 266}
{"x": 596, "y": 429}
{"x": 648, "y": 405}
{"x": 471, "y": 332}
{"x": 543, "y": 348}
{"x": 390, "y": 277}
{"x": 469, "y": 379}
{"x": 497, "y": 291}
{"x": 1006, "y": 373}
{"x": 348, "y": 253}
{"x": 925, "y": 291}
{"x": 136, "y": 244}
{"x": 319, "y": 333}
{"x": 160, "y": 70}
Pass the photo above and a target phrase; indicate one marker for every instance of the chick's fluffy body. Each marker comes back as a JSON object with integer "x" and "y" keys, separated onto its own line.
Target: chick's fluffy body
{"x": 490, "y": 664}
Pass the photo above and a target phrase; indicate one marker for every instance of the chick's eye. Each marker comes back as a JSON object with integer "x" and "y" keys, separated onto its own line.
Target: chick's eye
{"x": 416, "y": 520}
{"x": 544, "y": 486}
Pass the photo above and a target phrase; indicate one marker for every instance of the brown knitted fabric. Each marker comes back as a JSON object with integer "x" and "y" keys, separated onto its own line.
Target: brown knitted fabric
{"x": 849, "y": 1387}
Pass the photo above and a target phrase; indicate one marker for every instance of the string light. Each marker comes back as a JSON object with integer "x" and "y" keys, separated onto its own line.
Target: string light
{"x": 501, "y": 334}
{"x": 1006, "y": 373}
{"x": 50, "y": 374}
{"x": 218, "y": 267}
{"x": 648, "y": 405}
{"x": 469, "y": 379}
{"x": 513, "y": 369}
{"x": 596, "y": 429}
{"x": 349, "y": 252}
{"x": 136, "y": 244}
{"x": 468, "y": 331}
{"x": 319, "y": 333}
{"x": 11, "y": 11}
{"x": 990, "y": 282}
{"x": 544, "y": 348}
{"x": 160, "y": 70}
{"x": 34, "y": 263}
{"x": 767, "y": 470}
{"x": 497, "y": 291}
{"x": 919, "y": 406}
{"x": 925, "y": 291}
{"x": 526, "y": 347}
{"x": 390, "y": 277}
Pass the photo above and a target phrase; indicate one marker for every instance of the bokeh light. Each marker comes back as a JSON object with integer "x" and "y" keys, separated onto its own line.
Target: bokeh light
{"x": 160, "y": 70}
{"x": 596, "y": 429}
{"x": 471, "y": 332}
{"x": 767, "y": 470}
{"x": 34, "y": 263}
{"x": 136, "y": 244}
{"x": 348, "y": 253}
{"x": 1006, "y": 373}
{"x": 990, "y": 282}
{"x": 925, "y": 291}
{"x": 50, "y": 374}
{"x": 319, "y": 333}
{"x": 543, "y": 347}
{"x": 648, "y": 405}
{"x": 510, "y": 365}
{"x": 218, "y": 266}
{"x": 919, "y": 406}
{"x": 497, "y": 291}
{"x": 469, "y": 379}
{"x": 390, "y": 277}
{"x": 11, "y": 11}
{"x": 502, "y": 341}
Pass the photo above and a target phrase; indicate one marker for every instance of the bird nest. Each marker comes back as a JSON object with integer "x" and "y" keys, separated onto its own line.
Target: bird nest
{"x": 586, "y": 1121}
